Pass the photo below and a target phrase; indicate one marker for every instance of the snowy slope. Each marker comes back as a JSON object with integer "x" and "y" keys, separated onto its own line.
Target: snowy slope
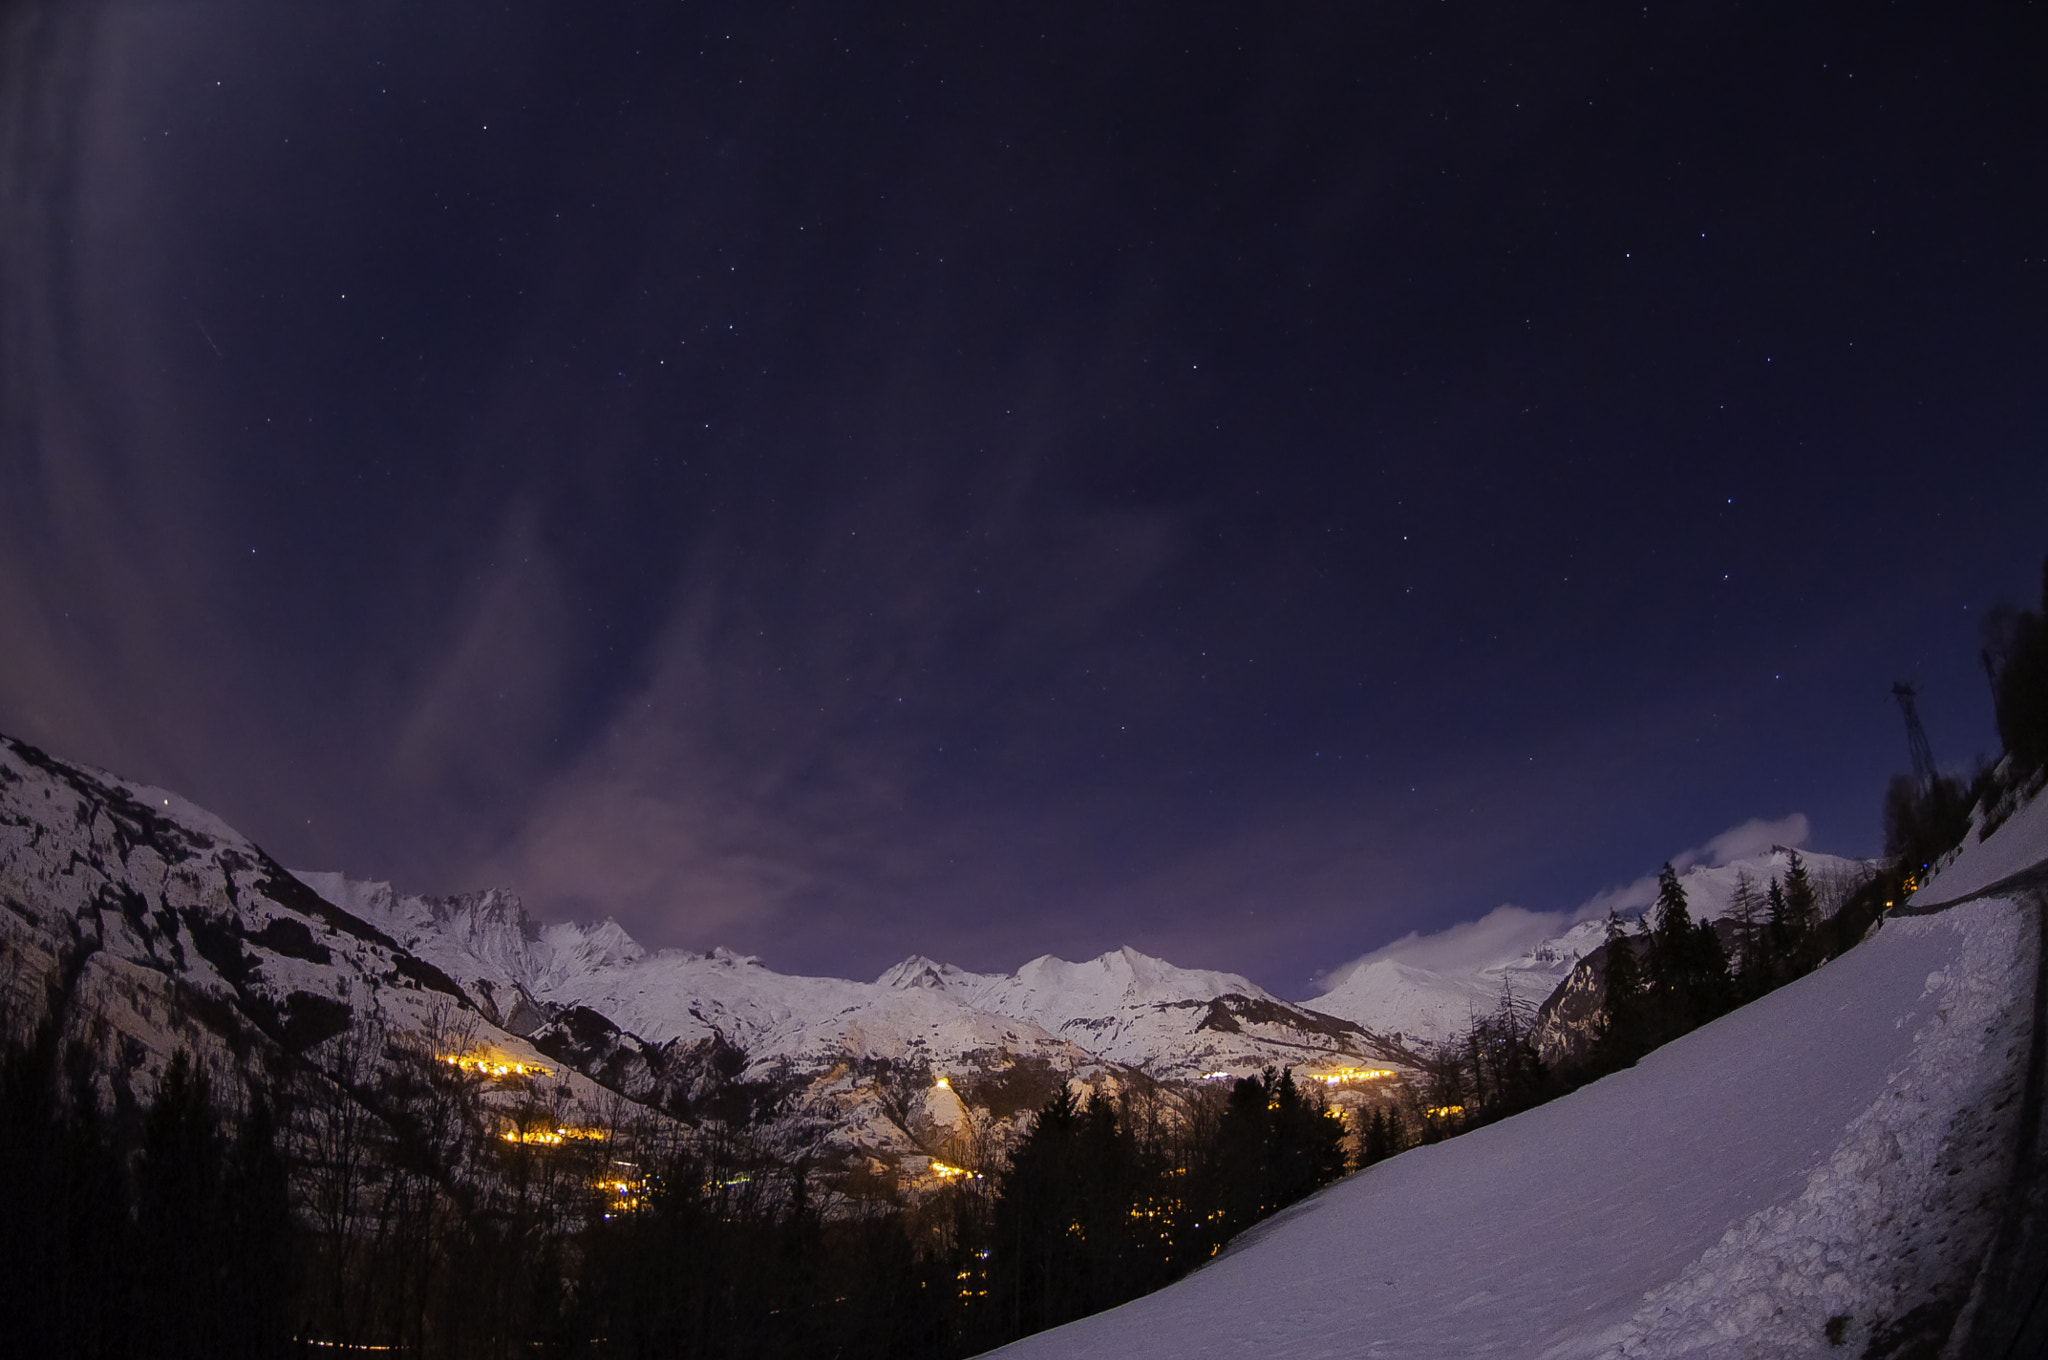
{"x": 1415, "y": 1003}
{"x": 1834, "y": 1149}
{"x": 1387, "y": 995}
{"x": 2012, "y": 852}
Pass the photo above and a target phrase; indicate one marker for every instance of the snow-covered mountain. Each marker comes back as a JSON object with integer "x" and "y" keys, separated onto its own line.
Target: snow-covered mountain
{"x": 1124, "y": 1009}
{"x": 174, "y": 931}
{"x": 1418, "y": 1005}
{"x": 531, "y": 974}
{"x": 1169, "y": 1022}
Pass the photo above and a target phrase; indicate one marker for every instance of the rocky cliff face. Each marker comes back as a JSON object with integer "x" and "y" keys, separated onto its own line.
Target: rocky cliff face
{"x": 1569, "y": 1021}
{"x": 1567, "y": 1024}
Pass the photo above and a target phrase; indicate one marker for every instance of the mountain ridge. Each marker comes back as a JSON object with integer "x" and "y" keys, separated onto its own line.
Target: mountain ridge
{"x": 1122, "y": 1008}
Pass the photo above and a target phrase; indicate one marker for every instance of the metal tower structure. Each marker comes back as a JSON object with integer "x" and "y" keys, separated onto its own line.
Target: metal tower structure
{"x": 1916, "y": 735}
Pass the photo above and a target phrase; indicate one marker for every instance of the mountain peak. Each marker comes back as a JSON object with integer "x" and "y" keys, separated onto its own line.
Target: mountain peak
{"x": 917, "y": 971}
{"x": 608, "y": 945}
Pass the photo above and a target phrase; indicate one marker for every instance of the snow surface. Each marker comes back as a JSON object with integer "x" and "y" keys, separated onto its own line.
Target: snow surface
{"x": 2012, "y": 850}
{"x": 1412, "y": 1002}
{"x": 1832, "y": 1149}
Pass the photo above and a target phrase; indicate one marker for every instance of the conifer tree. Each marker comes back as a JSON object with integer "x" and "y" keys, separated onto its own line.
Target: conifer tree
{"x": 1241, "y": 1146}
{"x": 1712, "y": 988}
{"x": 212, "y": 1224}
{"x": 1671, "y": 956}
{"x": 1305, "y": 1146}
{"x": 1780, "y": 933}
{"x": 1802, "y": 906}
{"x": 1674, "y": 915}
{"x": 1620, "y": 1038}
{"x": 1376, "y": 1139}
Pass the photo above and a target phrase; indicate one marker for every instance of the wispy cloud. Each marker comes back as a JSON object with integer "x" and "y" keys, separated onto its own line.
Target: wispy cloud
{"x": 1752, "y": 838}
{"x": 775, "y": 769}
{"x": 1742, "y": 841}
{"x": 1466, "y": 947}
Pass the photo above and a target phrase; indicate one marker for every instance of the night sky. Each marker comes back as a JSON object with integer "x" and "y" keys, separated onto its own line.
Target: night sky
{"x": 838, "y": 481}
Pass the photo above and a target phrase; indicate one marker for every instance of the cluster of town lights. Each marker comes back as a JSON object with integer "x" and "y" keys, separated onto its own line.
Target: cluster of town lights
{"x": 545, "y": 1137}
{"x": 1345, "y": 1074}
{"x": 552, "y": 1136}
{"x": 490, "y": 1066}
{"x": 1337, "y": 1078}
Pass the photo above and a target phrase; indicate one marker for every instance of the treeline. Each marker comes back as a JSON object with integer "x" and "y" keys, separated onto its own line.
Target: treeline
{"x": 1671, "y": 974}
{"x": 157, "y": 1233}
{"x": 1104, "y": 1200}
{"x": 379, "y": 1201}
{"x": 370, "y": 1202}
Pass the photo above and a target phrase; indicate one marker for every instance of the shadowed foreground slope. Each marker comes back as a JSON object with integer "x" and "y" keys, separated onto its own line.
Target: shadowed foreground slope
{"x": 1819, "y": 1167}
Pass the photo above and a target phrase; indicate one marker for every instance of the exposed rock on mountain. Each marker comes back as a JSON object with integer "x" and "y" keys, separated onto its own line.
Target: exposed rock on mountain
{"x": 162, "y": 928}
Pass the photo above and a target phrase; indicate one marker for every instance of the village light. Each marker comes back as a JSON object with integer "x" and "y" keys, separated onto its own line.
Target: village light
{"x": 493, "y": 1065}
